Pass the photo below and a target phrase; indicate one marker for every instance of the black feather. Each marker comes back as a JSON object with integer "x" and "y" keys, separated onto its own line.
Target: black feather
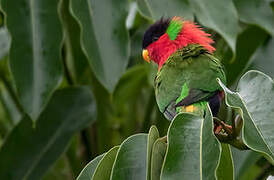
{"x": 215, "y": 103}
{"x": 155, "y": 31}
{"x": 196, "y": 95}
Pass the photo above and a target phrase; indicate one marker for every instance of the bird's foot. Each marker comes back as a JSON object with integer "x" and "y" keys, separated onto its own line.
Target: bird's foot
{"x": 222, "y": 126}
{"x": 230, "y": 134}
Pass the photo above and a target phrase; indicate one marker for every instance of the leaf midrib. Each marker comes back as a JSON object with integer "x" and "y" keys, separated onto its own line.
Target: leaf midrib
{"x": 45, "y": 149}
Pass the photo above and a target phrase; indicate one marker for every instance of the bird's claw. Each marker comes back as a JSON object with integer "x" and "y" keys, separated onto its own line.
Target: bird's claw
{"x": 230, "y": 134}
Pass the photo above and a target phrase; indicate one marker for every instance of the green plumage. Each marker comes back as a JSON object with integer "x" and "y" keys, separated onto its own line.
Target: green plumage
{"x": 188, "y": 75}
{"x": 174, "y": 28}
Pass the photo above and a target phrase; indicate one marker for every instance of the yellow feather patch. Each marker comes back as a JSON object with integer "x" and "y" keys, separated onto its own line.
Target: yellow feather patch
{"x": 189, "y": 108}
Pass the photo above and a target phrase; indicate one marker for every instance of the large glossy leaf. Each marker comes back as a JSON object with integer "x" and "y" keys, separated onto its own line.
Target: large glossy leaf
{"x": 35, "y": 50}
{"x": 130, "y": 84}
{"x": 257, "y": 12}
{"x": 193, "y": 151}
{"x": 88, "y": 171}
{"x": 76, "y": 61}
{"x": 30, "y": 150}
{"x": 130, "y": 162}
{"x": 165, "y": 8}
{"x": 128, "y": 101}
{"x": 225, "y": 169}
{"x": 254, "y": 172}
{"x": 60, "y": 170}
{"x": 4, "y": 42}
{"x": 220, "y": 16}
{"x": 104, "y": 37}
{"x": 247, "y": 43}
{"x": 244, "y": 161}
{"x": 263, "y": 59}
{"x": 153, "y": 135}
{"x": 255, "y": 101}
{"x": 157, "y": 158}
{"x": 103, "y": 169}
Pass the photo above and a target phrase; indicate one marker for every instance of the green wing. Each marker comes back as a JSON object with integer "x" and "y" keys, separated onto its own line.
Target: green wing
{"x": 192, "y": 67}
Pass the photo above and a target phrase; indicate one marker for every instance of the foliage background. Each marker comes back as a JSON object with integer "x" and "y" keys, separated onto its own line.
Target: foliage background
{"x": 73, "y": 83}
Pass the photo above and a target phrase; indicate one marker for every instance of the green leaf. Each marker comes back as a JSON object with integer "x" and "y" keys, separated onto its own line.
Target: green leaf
{"x": 244, "y": 161}
{"x": 35, "y": 54}
{"x": 157, "y": 158}
{"x": 153, "y": 135}
{"x": 130, "y": 162}
{"x": 225, "y": 169}
{"x": 12, "y": 110}
{"x": 257, "y": 12}
{"x": 263, "y": 58}
{"x": 8, "y": 97}
{"x": 247, "y": 43}
{"x": 254, "y": 98}
{"x": 211, "y": 13}
{"x": 193, "y": 151}
{"x": 60, "y": 170}
{"x": 76, "y": 60}
{"x": 130, "y": 84}
{"x": 104, "y": 37}
{"x": 4, "y": 42}
{"x": 103, "y": 169}
{"x": 88, "y": 171}
{"x": 144, "y": 8}
{"x": 252, "y": 173}
{"x": 35, "y": 148}
{"x": 73, "y": 155}
{"x": 165, "y": 8}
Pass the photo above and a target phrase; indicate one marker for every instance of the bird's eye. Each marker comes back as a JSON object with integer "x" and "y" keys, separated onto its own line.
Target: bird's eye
{"x": 155, "y": 38}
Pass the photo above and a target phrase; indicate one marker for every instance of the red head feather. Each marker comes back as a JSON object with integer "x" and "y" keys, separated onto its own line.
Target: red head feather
{"x": 190, "y": 33}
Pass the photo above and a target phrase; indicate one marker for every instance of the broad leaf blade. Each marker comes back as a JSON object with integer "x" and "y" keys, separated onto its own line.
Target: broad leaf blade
{"x": 244, "y": 161}
{"x": 247, "y": 43}
{"x": 165, "y": 8}
{"x": 35, "y": 54}
{"x": 88, "y": 171}
{"x": 257, "y": 12}
{"x": 193, "y": 150}
{"x": 225, "y": 169}
{"x": 103, "y": 170}
{"x": 130, "y": 162}
{"x": 153, "y": 135}
{"x": 130, "y": 84}
{"x": 76, "y": 61}
{"x": 34, "y": 149}
{"x": 144, "y": 8}
{"x": 104, "y": 37}
{"x": 60, "y": 170}
{"x": 211, "y": 13}
{"x": 157, "y": 158}
{"x": 263, "y": 58}
{"x": 255, "y": 99}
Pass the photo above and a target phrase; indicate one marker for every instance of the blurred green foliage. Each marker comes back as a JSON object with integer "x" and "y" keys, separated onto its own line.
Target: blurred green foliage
{"x": 51, "y": 126}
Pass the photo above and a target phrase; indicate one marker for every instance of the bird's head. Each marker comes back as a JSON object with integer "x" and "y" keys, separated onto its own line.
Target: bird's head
{"x": 165, "y": 36}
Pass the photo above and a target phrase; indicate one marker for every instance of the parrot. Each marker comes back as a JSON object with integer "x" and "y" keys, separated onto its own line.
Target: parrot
{"x": 186, "y": 80}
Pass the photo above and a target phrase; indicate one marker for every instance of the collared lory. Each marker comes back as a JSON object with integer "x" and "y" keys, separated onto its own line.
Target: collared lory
{"x": 187, "y": 70}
